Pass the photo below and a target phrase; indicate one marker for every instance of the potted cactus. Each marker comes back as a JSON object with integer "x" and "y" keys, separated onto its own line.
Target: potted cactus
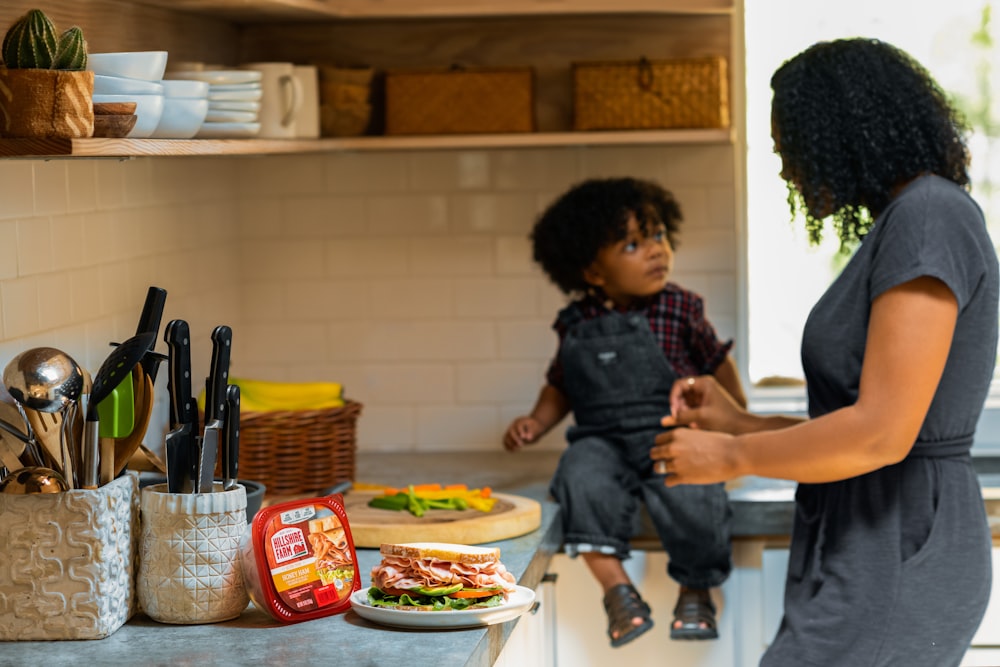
{"x": 45, "y": 89}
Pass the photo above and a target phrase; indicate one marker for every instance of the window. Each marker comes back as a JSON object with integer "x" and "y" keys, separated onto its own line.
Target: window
{"x": 954, "y": 40}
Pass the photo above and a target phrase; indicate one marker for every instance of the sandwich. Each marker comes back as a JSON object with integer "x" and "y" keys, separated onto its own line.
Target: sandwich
{"x": 435, "y": 576}
{"x": 331, "y": 550}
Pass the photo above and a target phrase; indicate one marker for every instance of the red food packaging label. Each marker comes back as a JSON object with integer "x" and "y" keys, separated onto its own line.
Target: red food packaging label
{"x": 299, "y": 559}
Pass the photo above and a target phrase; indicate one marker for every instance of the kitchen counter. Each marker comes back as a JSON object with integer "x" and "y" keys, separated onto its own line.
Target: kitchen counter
{"x": 761, "y": 508}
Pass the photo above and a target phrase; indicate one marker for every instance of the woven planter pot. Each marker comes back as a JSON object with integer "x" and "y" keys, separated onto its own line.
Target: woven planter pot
{"x": 44, "y": 103}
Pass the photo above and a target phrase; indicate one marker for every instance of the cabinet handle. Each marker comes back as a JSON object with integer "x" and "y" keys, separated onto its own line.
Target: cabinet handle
{"x": 549, "y": 578}
{"x": 534, "y": 608}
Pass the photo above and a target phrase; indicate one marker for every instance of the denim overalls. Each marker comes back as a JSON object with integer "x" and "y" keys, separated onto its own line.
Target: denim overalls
{"x": 618, "y": 382}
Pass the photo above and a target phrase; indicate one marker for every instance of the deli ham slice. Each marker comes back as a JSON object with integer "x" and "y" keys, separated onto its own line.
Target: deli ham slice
{"x": 435, "y": 565}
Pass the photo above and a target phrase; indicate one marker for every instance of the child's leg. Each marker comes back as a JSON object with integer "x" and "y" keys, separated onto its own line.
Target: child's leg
{"x": 628, "y": 615}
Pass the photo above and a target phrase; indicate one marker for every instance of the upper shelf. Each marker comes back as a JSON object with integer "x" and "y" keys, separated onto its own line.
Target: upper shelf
{"x": 243, "y": 11}
{"x": 125, "y": 148}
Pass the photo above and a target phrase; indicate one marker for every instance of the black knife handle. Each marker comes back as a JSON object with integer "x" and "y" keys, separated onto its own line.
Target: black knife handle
{"x": 178, "y": 339}
{"x": 231, "y": 444}
{"x": 218, "y": 375}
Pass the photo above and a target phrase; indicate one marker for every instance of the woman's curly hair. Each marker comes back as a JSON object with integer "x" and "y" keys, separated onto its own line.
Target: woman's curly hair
{"x": 593, "y": 214}
{"x": 852, "y": 120}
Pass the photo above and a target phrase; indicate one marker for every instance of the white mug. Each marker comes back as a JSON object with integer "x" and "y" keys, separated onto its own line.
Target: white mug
{"x": 307, "y": 120}
{"x": 281, "y": 99}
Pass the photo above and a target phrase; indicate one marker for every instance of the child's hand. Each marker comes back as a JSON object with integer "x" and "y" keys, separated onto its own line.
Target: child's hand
{"x": 522, "y": 431}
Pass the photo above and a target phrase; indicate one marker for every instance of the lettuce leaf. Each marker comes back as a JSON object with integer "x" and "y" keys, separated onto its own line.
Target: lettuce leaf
{"x": 430, "y": 602}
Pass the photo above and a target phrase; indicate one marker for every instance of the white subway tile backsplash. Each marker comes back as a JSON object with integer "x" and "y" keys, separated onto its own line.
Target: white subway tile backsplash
{"x": 81, "y": 182}
{"x": 51, "y": 189}
{"x": 463, "y": 256}
{"x": 363, "y": 173}
{"x": 68, "y": 242}
{"x": 513, "y": 255}
{"x": 17, "y": 189}
{"x": 492, "y": 213}
{"x": 282, "y": 175}
{"x": 20, "y": 307}
{"x": 8, "y": 249}
{"x": 34, "y": 244}
{"x": 388, "y": 428}
{"x": 325, "y": 300}
{"x": 497, "y": 382}
{"x": 532, "y": 170}
{"x": 409, "y": 340}
{"x": 320, "y": 217}
{"x": 402, "y": 383}
{"x": 283, "y": 260}
{"x": 527, "y": 340}
{"x": 379, "y": 258}
{"x": 449, "y": 171}
{"x": 458, "y": 428}
{"x": 403, "y": 215}
{"x": 496, "y": 298}
{"x": 411, "y": 299}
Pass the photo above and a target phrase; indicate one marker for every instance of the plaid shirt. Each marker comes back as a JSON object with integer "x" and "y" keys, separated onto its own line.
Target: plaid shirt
{"x": 677, "y": 320}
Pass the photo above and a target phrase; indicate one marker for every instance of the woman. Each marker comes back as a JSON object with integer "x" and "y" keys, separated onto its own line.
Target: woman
{"x": 890, "y": 552}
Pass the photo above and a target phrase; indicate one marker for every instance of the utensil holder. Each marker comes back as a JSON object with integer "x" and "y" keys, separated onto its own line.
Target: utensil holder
{"x": 67, "y": 562}
{"x": 189, "y": 555}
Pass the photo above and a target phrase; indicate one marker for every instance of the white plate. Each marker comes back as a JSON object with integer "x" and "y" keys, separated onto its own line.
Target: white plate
{"x": 220, "y": 77}
{"x": 517, "y": 603}
{"x": 228, "y": 130}
{"x": 223, "y": 88}
{"x": 236, "y": 95}
{"x": 219, "y": 116}
{"x": 234, "y": 106}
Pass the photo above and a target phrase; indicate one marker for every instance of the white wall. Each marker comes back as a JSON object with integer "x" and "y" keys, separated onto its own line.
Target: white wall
{"x": 405, "y": 275}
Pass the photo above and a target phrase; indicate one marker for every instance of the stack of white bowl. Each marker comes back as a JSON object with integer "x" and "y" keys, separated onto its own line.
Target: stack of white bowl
{"x": 185, "y": 104}
{"x": 134, "y": 76}
{"x": 233, "y": 101}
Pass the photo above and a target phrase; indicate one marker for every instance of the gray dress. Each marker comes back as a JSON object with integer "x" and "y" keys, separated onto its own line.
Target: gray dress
{"x": 893, "y": 567}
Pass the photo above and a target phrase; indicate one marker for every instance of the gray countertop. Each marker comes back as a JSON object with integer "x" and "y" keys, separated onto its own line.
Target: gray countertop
{"x": 761, "y": 508}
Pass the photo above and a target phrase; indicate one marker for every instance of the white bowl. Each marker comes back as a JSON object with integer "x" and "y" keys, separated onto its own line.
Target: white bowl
{"x": 145, "y": 65}
{"x": 182, "y": 117}
{"x": 180, "y": 88}
{"x": 120, "y": 85}
{"x": 148, "y": 108}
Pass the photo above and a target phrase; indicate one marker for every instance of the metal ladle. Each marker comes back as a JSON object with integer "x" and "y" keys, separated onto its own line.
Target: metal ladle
{"x": 33, "y": 480}
{"x": 47, "y": 380}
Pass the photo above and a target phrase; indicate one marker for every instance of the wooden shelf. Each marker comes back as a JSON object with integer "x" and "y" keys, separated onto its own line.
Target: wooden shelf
{"x": 243, "y": 11}
{"x": 127, "y": 148}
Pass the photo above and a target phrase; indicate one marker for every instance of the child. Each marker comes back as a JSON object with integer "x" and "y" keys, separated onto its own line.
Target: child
{"x": 623, "y": 342}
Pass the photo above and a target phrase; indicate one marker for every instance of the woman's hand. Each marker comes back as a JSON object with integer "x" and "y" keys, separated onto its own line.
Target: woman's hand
{"x": 522, "y": 431}
{"x": 688, "y": 456}
{"x": 701, "y": 402}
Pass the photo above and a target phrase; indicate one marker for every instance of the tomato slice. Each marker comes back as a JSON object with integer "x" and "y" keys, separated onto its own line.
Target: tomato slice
{"x": 475, "y": 593}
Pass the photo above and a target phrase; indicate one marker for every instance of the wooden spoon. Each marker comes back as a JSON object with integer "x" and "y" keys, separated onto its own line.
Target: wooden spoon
{"x": 127, "y": 446}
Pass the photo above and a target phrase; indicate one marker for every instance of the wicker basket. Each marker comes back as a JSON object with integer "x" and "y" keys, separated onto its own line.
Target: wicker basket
{"x": 460, "y": 101}
{"x": 299, "y": 452}
{"x": 644, "y": 94}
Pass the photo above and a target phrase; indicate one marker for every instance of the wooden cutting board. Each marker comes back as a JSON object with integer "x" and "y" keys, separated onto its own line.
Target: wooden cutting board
{"x": 511, "y": 516}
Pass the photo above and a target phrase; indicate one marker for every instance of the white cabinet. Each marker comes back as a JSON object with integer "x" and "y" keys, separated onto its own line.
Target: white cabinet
{"x": 532, "y": 643}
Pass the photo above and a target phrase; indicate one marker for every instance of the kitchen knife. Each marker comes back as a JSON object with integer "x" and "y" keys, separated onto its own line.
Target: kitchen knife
{"x": 180, "y": 442}
{"x": 215, "y": 406}
{"x": 231, "y": 438}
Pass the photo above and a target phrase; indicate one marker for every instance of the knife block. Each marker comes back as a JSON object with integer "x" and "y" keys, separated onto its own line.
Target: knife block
{"x": 67, "y": 562}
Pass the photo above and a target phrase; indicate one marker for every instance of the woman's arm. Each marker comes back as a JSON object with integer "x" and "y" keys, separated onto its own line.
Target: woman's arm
{"x": 909, "y": 336}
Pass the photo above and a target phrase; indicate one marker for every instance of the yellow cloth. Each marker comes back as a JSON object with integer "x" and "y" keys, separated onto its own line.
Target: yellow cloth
{"x": 265, "y": 396}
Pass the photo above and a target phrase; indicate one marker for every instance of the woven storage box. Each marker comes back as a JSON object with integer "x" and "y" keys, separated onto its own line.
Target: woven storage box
{"x": 67, "y": 562}
{"x": 460, "y": 101}
{"x": 296, "y": 452}
{"x": 644, "y": 94}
